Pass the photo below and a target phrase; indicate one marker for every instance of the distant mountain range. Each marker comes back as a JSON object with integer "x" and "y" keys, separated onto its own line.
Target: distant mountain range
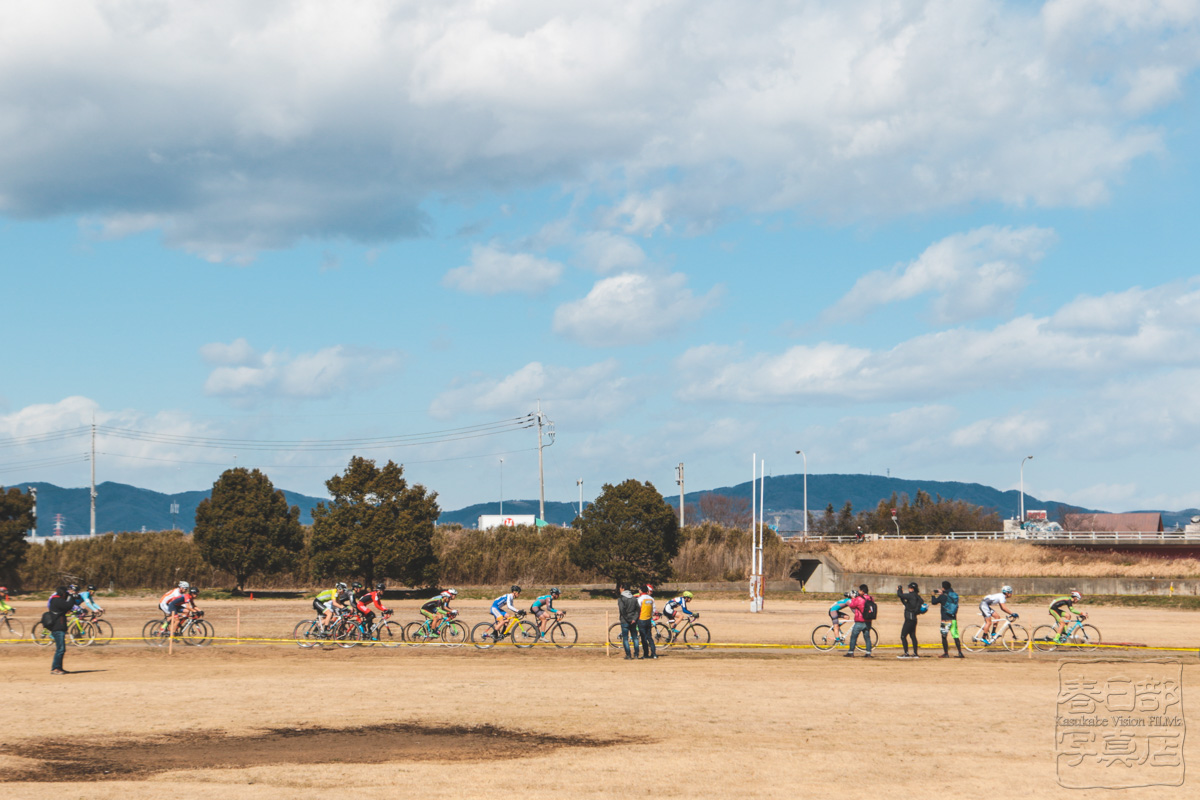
{"x": 120, "y": 507}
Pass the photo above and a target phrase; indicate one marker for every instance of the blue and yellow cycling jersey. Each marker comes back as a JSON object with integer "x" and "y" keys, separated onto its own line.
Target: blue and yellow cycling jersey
{"x": 504, "y": 603}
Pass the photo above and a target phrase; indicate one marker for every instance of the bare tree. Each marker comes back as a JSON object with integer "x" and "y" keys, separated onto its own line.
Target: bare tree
{"x": 732, "y": 512}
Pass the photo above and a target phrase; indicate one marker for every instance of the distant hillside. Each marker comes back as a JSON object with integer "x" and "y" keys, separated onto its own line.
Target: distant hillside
{"x": 120, "y": 507}
{"x": 785, "y": 495}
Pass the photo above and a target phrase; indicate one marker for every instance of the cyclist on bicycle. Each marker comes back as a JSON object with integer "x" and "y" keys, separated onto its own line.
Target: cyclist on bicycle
{"x": 437, "y": 609}
{"x": 173, "y": 602}
{"x": 991, "y": 617}
{"x": 543, "y": 608}
{"x": 835, "y": 613}
{"x": 329, "y": 602}
{"x": 89, "y": 601}
{"x": 1060, "y": 610}
{"x": 502, "y": 607}
{"x": 367, "y": 600}
{"x": 5, "y": 608}
{"x": 676, "y": 606}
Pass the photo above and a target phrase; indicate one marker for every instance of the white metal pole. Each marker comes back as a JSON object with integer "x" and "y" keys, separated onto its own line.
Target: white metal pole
{"x": 762, "y": 518}
{"x": 93, "y": 476}
{"x": 502, "y": 490}
{"x": 753, "y": 514}
{"x": 541, "y": 474}
{"x": 580, "y": 484}
{"x": 1022, "y": 505}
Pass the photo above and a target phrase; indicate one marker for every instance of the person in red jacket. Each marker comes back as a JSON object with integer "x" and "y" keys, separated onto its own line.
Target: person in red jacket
{"x": 862, "y": 621}
{"x": 368, "y": 600}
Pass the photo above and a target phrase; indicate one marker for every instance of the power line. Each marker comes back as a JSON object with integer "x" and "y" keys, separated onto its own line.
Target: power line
{"x": 42, "y": 438}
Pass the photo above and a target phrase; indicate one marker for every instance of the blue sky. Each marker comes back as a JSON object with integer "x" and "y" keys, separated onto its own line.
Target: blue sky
{"x": 924, "y": 238}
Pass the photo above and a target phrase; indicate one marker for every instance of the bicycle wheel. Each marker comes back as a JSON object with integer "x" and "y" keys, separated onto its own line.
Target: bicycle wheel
{"x": 11, "y": 629}
{"x": 104, "y": 631}
{"x": 455, "y": 633}
{"x": 1015, "y": 638}
{"x": 695, "y": 636}
{"x": 305, "y": 633}
{"x": 416, "y": 634}
{"x": 662, "y": 636}
{"x": 40, "y": 635}
{"x": 484, "y": 635}
{"x": 1086, "y": 637}
{"x": 390, "y": 634}
{"x": 152, "y": 633}
{"x": 823, "y": 638}
{"x": 1043, "y": 639}
{"x": 80, "y": 633}
{"x": 972, "y": 639}
{"x": 614, "y": 635}
{"x": 194, "y": 633}
{"x": 525, "y": 634}
{"x": 351, "y": 635}
{"x": 564, "y": 634}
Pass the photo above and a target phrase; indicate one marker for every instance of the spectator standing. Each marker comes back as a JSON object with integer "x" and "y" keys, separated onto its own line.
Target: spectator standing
{"x": 646, "y": 622}
{"x": 865, "y": 611}
{"x": 61, "y": 604}
{"x": 913, "y": 605}
{"x": 627, "y": 609}
{"x": 948, "y": 600}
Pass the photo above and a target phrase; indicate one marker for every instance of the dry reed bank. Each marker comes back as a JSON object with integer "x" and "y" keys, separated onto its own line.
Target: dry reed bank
{"x": 988, "y": 559}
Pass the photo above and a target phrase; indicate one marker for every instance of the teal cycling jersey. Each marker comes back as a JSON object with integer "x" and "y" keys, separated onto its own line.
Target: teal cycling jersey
{"x": 839, "y": 605}
{"x": 544, "y": 603}
{"x": 88, "y": 603}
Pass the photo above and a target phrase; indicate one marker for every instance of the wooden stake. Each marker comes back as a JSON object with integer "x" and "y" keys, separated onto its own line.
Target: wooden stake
{"x": 238, "y": 635}
{"x": 606, "y": 647}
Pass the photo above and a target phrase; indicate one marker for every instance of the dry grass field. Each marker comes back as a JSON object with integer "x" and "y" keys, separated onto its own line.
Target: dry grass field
{"x": 258, "y": 720}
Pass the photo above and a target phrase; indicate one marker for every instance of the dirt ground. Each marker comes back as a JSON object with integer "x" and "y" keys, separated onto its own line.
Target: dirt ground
{"x": 267, "y": 720}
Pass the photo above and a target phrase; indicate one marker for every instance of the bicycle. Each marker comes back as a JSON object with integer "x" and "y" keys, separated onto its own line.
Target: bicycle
{"x": 524, "y": 634}
{"x": 694, "y": 635}
{"x": 449, "y": 630}
{"x": 662, "y": 635}
{"x": 385, "y": 632}
{"x": 11, "y": 628}
{"x": 194, "y": 631}
{"x": 561, "y": 634}
{"x": 1011, "y": 637}
{"x": 79, "y": 632}
{"x": 824, "y": 638}
{"x": 342, "y": 632}
{"x": 1075, "y": 636}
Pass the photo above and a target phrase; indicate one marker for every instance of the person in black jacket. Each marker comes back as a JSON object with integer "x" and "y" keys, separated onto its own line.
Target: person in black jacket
{"x": 627, "y": 609}
{"x": 912, "y": 607}
{"x": 61, "y": 604}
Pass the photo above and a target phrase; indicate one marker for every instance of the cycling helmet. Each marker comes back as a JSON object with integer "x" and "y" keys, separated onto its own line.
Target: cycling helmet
{"x": 555, "y": 591}
{"x": 1006, "y": 589}
{"x": 1074, "y": 595}
{"x": 91, "y": 588}
{"x": 451, "y": 592}
{"x": 850, "y": 595}
{"x": 3, "y": 590}
{"x": 73, "y": 588}
{"x": 356, "y": 585}
{"x": 380, "y": 586}
{"x": 649, "y": 587}
{"x": 515, "y": 588}
{"x": 341, "y": 586}
{"x": 184, "y": 585}
{"x": 688, "y": 595}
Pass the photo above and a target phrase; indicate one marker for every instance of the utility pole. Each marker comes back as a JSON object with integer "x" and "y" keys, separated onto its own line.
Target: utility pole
{"x": 542, "y": 420}
{"x": 679, "y": 480}
{"x": 33, "y": 494}
{"x": 93, "y": 475}
{"x": 502, "y": 488}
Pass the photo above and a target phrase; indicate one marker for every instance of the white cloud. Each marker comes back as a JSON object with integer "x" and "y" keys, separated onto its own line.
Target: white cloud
{"x": 593, "y": 392}
{"x": 631, "y": 308}
{"x": 607, "y": 252}
{"x": 1025, "y": 350}
{"x": 246, "y": 375}
{"x": 492, "y": 271}
{"x": 234, "y": 128}
{"x": 971, "y": 275}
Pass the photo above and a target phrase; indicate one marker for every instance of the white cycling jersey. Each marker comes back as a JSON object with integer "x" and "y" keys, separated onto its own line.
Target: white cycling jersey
{"x": 994, "y": 599}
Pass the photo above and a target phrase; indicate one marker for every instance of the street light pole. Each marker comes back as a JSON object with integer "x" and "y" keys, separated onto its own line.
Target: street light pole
{"x": 502, "y": 489}
{"x": 579, "y": 483}
{"x": 801, "y": 453}
{"x": 1023, "y": 460}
